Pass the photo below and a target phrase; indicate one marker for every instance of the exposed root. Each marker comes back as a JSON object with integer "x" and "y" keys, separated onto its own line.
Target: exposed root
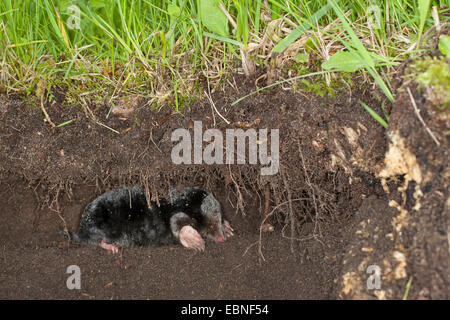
{"x": 308, "y": 182}
{"x": 267, "y": 198}
{"x": 291, "y": 212}
{"x": 41, "y": 93}
{"x": 240, "y": 199}
{"x": 420, "y": 117}
{"x": 268, "y": 216}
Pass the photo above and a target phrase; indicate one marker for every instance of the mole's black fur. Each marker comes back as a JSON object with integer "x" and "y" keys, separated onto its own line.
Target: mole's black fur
{"x": 122, "y": 217}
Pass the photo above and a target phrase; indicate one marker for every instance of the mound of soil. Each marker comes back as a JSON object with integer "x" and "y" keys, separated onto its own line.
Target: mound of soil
{"x": 327, "y": 188}
{"x": 407, "y": 238}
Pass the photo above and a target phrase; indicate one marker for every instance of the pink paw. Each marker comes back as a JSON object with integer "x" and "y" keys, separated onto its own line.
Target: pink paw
{"x": 228, "y": 229}
{"x": 110, "y": 247}
{"x": 191, "y": 239}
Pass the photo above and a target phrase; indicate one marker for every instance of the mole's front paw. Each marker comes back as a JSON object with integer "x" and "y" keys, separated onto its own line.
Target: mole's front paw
{"x": 191, "y": 239}
{"x": 228, "y": 229}
{"x": 110, "y": 247}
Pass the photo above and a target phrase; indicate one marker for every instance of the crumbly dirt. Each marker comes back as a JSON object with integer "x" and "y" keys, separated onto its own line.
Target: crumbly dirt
{"x": 407, "y": 236}
{"x": 328, "y": 184}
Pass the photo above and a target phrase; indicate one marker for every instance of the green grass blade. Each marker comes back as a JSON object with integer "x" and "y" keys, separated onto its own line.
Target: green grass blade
{"x": 358, "y": 49}
{"x": 65, "y": 123}
{"x": 223, "y": 39}
{"x": 300, "y": 30}
{"x": 374, "y": 115}
{"x": 408, "y": 286}
{"x": 423, "y": 11}
{"x": 16, "y": 45}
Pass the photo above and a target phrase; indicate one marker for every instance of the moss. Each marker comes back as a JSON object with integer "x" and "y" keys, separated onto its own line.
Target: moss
{"x": 433, "y": 75}
{"x": 318, "y": 84}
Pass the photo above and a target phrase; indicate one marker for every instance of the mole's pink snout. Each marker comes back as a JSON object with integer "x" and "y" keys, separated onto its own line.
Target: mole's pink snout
{"x": 220, "y": 237}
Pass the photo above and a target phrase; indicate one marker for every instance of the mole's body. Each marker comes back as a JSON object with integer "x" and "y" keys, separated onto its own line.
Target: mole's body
{"x": 122, "y": 217}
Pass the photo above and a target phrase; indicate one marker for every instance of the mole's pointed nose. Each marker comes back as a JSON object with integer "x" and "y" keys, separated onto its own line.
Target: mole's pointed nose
{"x": 220, "y": 237}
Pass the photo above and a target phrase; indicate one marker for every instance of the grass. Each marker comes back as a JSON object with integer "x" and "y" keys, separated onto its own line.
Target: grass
{"x": 375, "y": 115}
{"x": 408, "y": 286}
{"x": 159, "y": 49}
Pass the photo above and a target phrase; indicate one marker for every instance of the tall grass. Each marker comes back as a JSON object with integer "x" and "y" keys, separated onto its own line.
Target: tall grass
{"x": 125, "y": 39}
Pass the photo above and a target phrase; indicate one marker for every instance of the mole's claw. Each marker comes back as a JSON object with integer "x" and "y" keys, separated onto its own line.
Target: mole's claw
{"x": 227, "y": 225}
{"x": 228, "y": 229}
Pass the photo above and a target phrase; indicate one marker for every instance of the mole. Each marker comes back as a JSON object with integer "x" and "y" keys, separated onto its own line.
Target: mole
{"x": 122, "y": 217}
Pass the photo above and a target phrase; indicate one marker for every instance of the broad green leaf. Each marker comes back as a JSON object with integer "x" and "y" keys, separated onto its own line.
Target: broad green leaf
{"x": 356, "y": 47}
{"x": 173, "y": 10}
{"x": 213, "y": 18}
{"x": 444, "y": 46}
{"x": 362, "y": 51}
{"x": 343, "y": 61}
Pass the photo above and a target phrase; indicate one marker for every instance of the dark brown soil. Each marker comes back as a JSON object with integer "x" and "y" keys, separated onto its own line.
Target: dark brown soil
{"x": 331, "y": 151}
{"x": 408, "y": 236}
